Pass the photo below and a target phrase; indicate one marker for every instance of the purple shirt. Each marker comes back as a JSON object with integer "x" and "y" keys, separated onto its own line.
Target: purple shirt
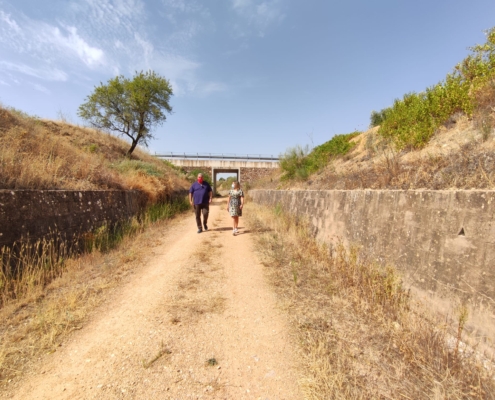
{"x": 200, "y": 192}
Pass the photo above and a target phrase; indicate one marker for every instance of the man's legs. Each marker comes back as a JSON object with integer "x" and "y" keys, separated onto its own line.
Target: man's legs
{"x": 206, "y": 211}
{"x": 197, "y": 211}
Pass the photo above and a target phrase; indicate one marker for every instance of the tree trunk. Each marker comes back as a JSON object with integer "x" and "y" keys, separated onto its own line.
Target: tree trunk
{"x": 133, "y": 146}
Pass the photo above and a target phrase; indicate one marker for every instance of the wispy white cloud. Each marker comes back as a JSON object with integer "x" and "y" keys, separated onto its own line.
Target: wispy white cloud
{"x": 71, "y": 42}
{"x": 4, "y": 17}
{"x": 259, "y": 15}
{"x": 212, "y": 87}
{"x": 46, "y": 43}
{"x": 49, "y": 74}
{"x": 109, "y": 37}
{"x": 41, "y": 88}
{"x": 111, "y": 13}
{"x": 184, "y": 6}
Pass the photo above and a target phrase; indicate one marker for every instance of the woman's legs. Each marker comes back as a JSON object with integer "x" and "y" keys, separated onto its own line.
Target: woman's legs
{"x": 236, "y": 222}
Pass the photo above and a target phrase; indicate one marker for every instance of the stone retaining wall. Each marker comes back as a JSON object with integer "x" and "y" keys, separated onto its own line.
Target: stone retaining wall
{"x": 443, "y": 242}
{"x": 249, "y": 175}
{"x": 35, "y": 214}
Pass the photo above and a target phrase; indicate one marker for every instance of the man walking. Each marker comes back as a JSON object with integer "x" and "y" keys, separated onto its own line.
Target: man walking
{"x": 200, "y": 195}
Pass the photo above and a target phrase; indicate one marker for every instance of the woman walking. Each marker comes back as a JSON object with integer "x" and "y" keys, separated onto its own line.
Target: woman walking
{"x": 235, "y": 204}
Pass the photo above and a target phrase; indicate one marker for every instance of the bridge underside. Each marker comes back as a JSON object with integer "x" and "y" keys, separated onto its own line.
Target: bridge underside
{"x": 246, "y": 171}
{"x": 215, "y": 171}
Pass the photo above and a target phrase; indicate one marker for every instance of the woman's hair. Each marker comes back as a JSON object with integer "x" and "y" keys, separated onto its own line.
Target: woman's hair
{"x": 237, "y": 185}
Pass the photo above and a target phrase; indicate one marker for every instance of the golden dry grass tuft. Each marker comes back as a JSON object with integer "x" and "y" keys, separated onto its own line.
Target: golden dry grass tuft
{"x": 43, "y": 154}
{"x": 361, "y": 334}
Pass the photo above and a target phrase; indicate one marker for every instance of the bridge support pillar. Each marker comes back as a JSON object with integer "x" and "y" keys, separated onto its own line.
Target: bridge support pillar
{"x": 215, "y": 171}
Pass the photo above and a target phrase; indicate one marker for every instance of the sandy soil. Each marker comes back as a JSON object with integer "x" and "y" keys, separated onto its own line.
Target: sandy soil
{"x": 198, "y": 321}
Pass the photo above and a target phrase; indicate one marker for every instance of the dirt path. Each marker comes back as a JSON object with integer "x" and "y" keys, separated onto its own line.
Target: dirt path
{"x": 198, "y": 321}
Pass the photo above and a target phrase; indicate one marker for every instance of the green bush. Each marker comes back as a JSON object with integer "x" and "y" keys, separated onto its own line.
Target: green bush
{"x": 136, "y": 165}
{"x": 377, "y": 117}
{"x": 339, "y": 145}
{"x": 294, "y": 162}
{"x": 298, "y": 162}
{"x": 412, "y": 120}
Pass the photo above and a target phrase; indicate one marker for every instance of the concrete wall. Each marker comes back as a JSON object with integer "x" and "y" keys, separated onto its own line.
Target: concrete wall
{"x": 223, "y": 164}
{"x": 39, "y": 213}
{"x": 245, "y": 174}
{"x": 443, "y": 242}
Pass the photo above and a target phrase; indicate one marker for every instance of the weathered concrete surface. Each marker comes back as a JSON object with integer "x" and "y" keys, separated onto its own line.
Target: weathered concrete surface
{"x": 223, "y": 164}
{"x": 35, "y": 214}
{"x": 443, "y": 242}
{"x": 245, "y": 175}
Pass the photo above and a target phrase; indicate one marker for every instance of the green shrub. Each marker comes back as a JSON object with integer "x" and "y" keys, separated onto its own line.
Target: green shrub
{"x": 92, "y": 148}
{"x": 339, "y": 145}
{"x": 127, "y": 165}
{"x": 377, "y": 117}
{"x": 293, "y": 161}
{"x": 298, "y": 162}
{"x": 412, "y": 120}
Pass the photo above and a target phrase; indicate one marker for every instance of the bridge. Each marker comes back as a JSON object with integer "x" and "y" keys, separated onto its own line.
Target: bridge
{"x": 247, "y": 167}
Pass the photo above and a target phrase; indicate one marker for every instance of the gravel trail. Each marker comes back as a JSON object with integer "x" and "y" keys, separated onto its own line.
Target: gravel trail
{"x": 198, "y": 321}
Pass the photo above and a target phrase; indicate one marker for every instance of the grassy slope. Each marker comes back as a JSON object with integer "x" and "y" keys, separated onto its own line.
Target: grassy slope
{"x": 456, "y": 157}
{"x": 43, "y": 154}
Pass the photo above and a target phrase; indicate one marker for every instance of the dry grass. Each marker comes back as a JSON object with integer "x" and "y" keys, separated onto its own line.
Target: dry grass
{"x": 27, "y": 268}
{"x": 42, "y": 154}
{"x": 484, "y": 117}
{"x": 361, "y": 335}
{"x": 40, "y": 321}
{"x": 459, "y": 156}
{"x": 470, "y": 167}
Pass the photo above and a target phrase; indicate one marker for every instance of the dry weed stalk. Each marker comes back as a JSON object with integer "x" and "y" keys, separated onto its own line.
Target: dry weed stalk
{"x": 362, "y": 335}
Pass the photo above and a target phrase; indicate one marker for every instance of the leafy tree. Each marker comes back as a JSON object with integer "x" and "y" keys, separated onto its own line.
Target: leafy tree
{"x": 129, "y": 107}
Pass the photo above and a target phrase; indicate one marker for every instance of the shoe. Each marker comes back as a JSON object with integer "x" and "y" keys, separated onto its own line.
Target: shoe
{"x": 233, "y": 232}
{"x": 200, "y": 230}
{"x": 206, "y": 227}
{"x": 236, "y": 230}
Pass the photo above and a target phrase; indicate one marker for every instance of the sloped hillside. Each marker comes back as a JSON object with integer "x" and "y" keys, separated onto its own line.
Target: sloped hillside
{"x": 456, "y": 157}
{"x": 440, "y": 138}
{"x": 44, "y": 154}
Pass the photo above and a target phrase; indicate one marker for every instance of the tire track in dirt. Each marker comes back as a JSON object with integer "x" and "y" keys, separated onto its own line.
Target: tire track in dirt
{"x": 198, "y": 321}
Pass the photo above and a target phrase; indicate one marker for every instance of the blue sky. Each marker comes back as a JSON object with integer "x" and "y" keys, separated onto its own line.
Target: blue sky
{"x": 249, "y": 76}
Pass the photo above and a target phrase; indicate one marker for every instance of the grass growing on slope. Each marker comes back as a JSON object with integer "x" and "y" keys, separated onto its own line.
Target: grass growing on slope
{"x": 411, "y": 121}
{"x": 361, "y": 334}
{"x": 299, "y": 162}
{"x": 43, "y": 154}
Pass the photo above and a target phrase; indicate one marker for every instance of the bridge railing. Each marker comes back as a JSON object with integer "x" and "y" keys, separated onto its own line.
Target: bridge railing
{"x": 218, "y": 156}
